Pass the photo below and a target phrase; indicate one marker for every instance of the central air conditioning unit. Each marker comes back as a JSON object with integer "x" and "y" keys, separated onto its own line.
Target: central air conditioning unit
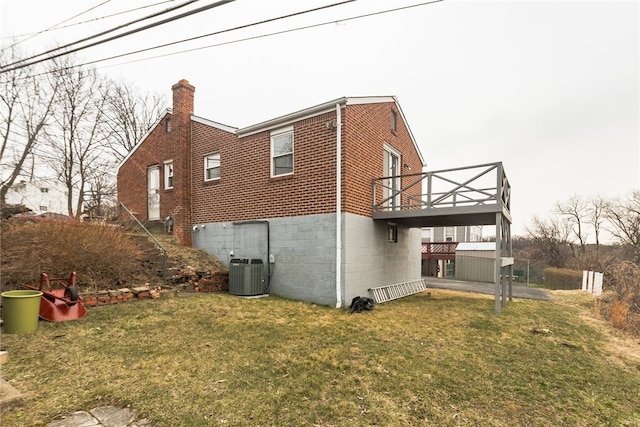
{"x": 246, "y": 277}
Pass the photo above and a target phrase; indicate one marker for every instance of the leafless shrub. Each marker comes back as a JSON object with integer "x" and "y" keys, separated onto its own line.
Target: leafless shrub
{"x": 620, "y": 303}
{"x": 101, "y": 255}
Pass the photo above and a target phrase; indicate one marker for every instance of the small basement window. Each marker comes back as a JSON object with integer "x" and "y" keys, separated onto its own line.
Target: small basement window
{"x": 392, "y": 232}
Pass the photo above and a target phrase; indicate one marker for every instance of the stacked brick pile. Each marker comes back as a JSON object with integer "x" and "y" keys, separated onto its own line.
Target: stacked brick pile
{"x": 215, "y": 282}
{"x": 115, "y": 296}
{"x": 190, "y": 281}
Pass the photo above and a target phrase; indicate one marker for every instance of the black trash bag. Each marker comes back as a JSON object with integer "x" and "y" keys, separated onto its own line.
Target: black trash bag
{"x": 361, "y": 303}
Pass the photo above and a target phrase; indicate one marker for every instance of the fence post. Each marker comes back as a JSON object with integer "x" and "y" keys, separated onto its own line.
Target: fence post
{"x": 597, "y": 285}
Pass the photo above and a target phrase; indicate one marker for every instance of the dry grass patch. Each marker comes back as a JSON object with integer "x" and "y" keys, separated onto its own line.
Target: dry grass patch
{"x": 623, "y": 348}
{"x": 215, "y": 359}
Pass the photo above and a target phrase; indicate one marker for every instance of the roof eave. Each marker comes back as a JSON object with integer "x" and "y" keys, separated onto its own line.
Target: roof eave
{"x": 290, "y": 118}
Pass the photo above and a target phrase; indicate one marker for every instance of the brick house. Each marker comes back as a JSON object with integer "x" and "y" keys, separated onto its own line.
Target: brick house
{"x": 275, "y": 191}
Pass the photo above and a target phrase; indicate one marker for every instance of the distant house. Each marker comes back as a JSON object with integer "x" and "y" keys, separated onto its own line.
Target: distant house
{"x": 439, "y": 245}
{"x": 42, "y": 197}
{"x": 294, "y": 191}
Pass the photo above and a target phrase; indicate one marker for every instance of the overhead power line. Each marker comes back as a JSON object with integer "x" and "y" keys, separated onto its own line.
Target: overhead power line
{"x": 61, "y": 27}
{"x": 59, "y": 23}
{"x": 219, "y": 3}
{"x": 21, "y": 63}
{"x": 241, "y": 27}
{"x": 15, "y": 66}
{"x": 306, "y": 27}
{"x": 334, "y": 21}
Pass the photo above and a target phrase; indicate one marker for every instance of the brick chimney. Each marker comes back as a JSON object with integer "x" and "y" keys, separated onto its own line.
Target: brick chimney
{"x": 181, "y": 137}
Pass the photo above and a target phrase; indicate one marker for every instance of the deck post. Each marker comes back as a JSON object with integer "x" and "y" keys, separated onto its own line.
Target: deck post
{"x": 498, "y": 269}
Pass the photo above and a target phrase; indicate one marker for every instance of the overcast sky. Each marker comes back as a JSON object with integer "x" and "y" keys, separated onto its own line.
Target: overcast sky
{"x": 549, "y": 88}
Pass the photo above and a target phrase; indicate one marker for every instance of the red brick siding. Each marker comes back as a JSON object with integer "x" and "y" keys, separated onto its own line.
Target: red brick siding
{"x": 367, "y": 129}
{"x": 132, "y": 175}
{"x": 246, "y": 191}
{"x": 158, "y": 147}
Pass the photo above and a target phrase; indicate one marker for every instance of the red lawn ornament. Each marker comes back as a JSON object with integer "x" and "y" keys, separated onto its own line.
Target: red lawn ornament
{"x": 59, "y": 305}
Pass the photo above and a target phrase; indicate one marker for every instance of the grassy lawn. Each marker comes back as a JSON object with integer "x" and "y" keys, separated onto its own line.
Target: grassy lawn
{"x": 438, "y": 359}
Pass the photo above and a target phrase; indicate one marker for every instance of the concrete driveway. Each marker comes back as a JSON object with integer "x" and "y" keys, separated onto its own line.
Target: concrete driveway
{"x": 519, "y": 291}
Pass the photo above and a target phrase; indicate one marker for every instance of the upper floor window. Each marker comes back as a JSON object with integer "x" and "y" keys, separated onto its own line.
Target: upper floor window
{"x": 212, "y": 166}
{"x": 282, "y": 151}
{"x": 167, "y": 125}
{"x": 44, "y": 190}
{"x": 449, "y": 234}
{"x": 168, "y": 174}
{"x": 394, "y": 121}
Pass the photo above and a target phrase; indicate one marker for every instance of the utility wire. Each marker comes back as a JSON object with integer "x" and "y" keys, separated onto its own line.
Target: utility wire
{"x": 59, "y": 23}
{"x": 58, "y": 27}
{"x": 219, "y": 3}
{"x": 216, "y": 4}
{"x": 266, "y": 21}
{"x": 247, "y": 38}
{"x": 238, "y": 40}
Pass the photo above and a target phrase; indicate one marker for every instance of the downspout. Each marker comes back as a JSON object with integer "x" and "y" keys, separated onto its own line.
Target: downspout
{"x": 338, "y": 207}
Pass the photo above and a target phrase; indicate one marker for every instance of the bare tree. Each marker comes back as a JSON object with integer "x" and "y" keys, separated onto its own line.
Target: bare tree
{"x": 129, "y": 114}
{"x": 624, "y": 216}
{"x": 596, "y": 211}
{"x": 552, "y": 240}
{"x": 100, "y": 197}
{"x": 26, "y": 108}
{"x": 575, "y": 212}
{"x": 77, "y": 140}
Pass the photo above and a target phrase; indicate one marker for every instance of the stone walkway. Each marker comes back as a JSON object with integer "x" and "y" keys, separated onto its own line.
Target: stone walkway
{"x": 105, "y": 416}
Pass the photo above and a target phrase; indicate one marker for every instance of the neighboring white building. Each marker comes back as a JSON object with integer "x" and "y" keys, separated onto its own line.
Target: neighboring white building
{"x": 469, "y": 233}
{"x": 39, "y": 195}
{"x": 438, "y": 247}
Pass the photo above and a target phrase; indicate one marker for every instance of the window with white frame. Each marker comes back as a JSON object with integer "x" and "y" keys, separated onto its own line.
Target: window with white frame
{"x": 168, "y": 174}
{"x": 449, "y": 234}
{"x": 212, "y": 166}
{"x": 282, "y": 151}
